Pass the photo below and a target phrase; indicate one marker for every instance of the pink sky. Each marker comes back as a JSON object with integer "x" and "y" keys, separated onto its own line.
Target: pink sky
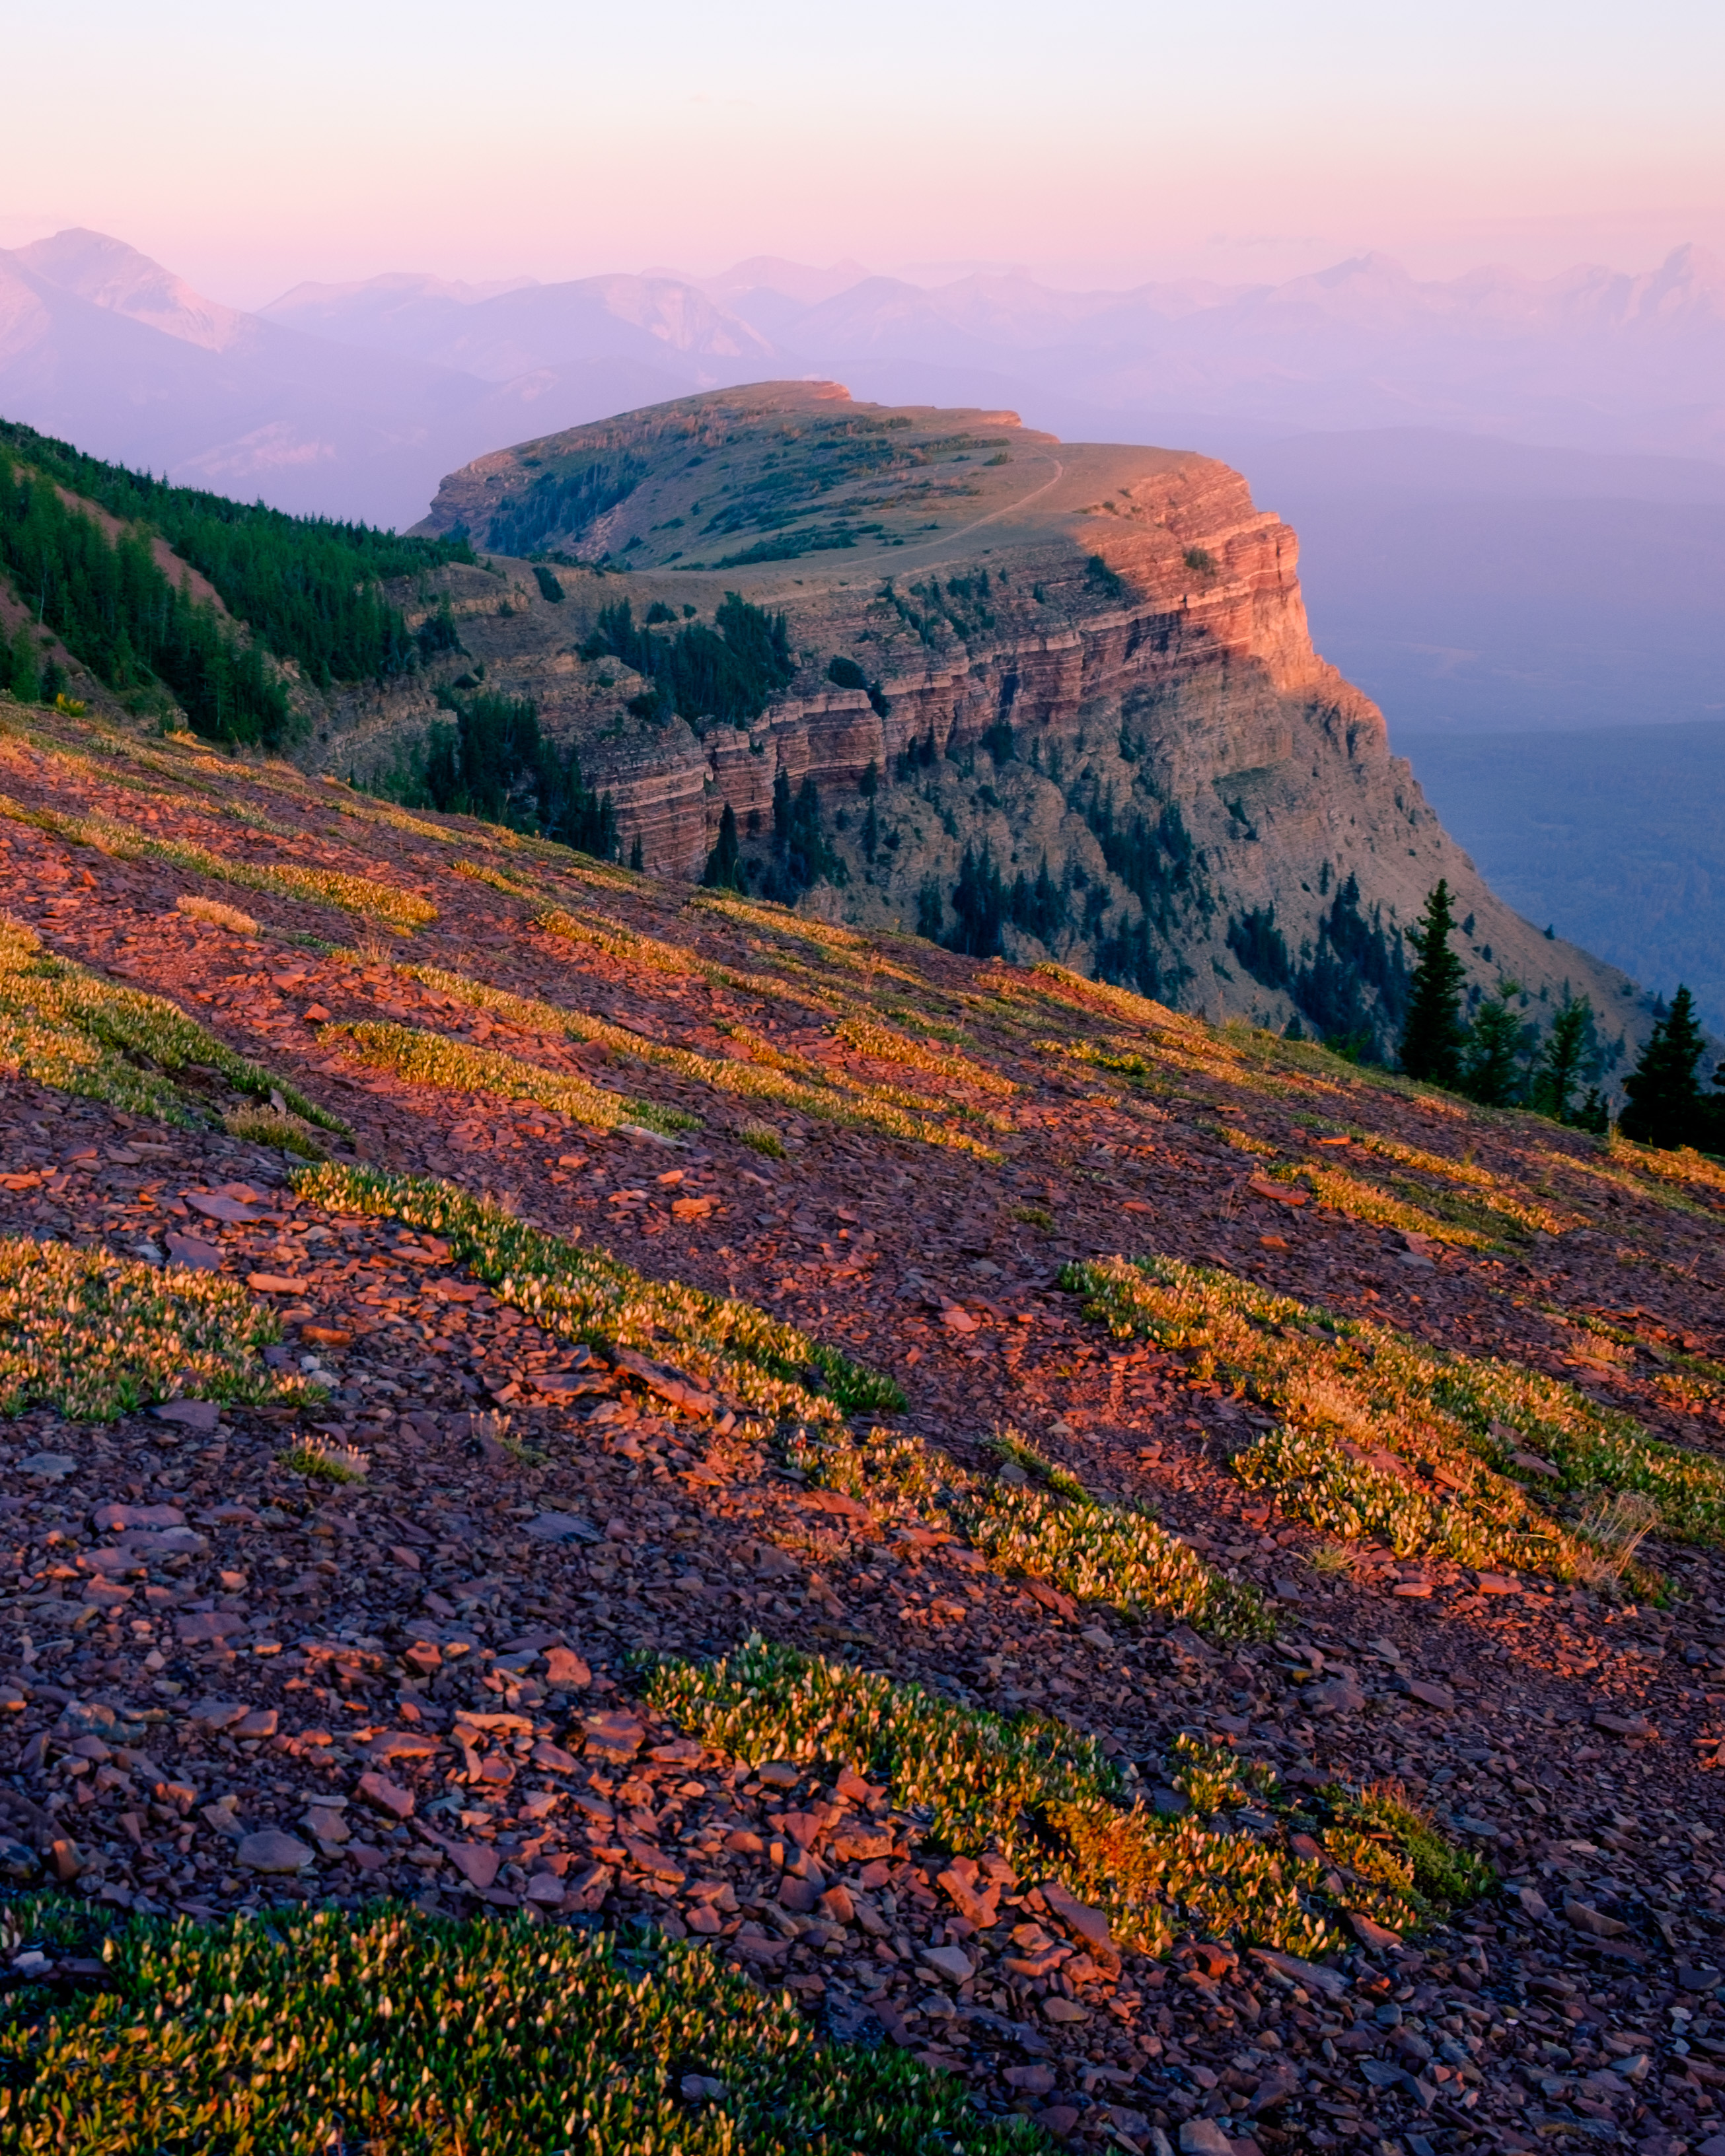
{"x": 1092, "y": 143}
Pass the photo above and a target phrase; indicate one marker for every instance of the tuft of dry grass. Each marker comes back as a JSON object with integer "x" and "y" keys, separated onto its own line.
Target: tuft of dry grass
{"x": 1617, "y": 1526}
{"x": 320, "y": 1461}
{"x": 218, "y": 916}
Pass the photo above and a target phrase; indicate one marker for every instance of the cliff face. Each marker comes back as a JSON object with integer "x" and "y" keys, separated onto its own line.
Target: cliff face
{"x": 1091, "y": 667}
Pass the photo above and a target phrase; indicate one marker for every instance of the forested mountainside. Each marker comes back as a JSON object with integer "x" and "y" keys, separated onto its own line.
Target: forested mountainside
{"x": 167, "y": 593}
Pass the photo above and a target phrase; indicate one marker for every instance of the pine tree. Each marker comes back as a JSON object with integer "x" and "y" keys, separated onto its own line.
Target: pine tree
{"x": 724, "y": 863}
{"x": 1563, "y": 1059}
{"x": 980, "y": 903}
{"x": 1433, "y": 1038}
{"x": 1492, "y": 1076}
{"x": 1665, "y": 1104}
{"x": 23, "y": 681}
{"x": 637, "y": 856}
{"x": 930, "y": 911}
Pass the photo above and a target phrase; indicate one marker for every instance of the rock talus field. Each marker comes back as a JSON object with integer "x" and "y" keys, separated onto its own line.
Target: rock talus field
{"x": 873, "y": 1548}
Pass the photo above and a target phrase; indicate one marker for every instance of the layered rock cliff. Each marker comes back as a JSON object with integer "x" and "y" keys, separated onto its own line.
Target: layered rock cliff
{"x": 1086, "y": 667}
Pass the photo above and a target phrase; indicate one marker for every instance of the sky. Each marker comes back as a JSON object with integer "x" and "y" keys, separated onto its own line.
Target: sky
{"x": 1099, "y": 143}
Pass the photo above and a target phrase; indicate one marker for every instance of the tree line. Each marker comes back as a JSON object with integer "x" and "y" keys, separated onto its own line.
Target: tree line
{"x": 491, "y": 759}
{"x": 112, "y": 607}
{"x": 1666, "y": 1104}
{"x": 310, "y": 589}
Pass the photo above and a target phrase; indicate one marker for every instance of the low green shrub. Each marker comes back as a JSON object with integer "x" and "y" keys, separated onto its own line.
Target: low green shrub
{"x": 582, "y": 1293}
{"x": 353, "y": 894}
{"x": 1047, "y": 1798}
{"x": 97, "y": 1336}
{"x": 403, "y": 2034}
{"x": 1088, "y": 1548}
{"x": 434, "y": 1058}
{"x": 66, "y": 1027}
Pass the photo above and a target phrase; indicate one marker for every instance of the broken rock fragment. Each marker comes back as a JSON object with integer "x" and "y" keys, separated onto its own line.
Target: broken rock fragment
{"x": 271, "y": 1850}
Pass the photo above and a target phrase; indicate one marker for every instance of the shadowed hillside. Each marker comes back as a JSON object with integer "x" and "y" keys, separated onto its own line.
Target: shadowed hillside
{"x": 749, "y": 1481}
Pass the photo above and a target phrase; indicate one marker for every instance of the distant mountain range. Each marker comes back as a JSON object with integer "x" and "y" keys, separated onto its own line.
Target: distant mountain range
{"x": 356, "y": 399}
{"x": 1510, "y": 492}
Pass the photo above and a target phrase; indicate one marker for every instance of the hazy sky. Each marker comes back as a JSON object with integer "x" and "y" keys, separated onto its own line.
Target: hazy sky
{"x": 250, "y": 147}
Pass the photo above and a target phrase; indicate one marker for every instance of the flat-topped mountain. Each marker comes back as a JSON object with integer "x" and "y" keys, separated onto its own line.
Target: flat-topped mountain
{"x": 776, "y": 472}
{"x": 919, "y": 669}
{"x": 1083, "y": 668}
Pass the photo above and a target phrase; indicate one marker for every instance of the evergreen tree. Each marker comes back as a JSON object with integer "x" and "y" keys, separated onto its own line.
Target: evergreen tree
{"x": 869, "y": 785}
{"x": 980, "y": 903}
{"x": 929, "y": 912}
{"x": 637, "y": 856}
{"x": 1128, "y": 957}
{"x": 724, "y": 863}
{"x": 808, "y": 859}
{"x": 730, "y": 672}
{"x": 1354, "y": 988}
{"x": 1664, "y": 1103}
{"x": 111, "y": 606}
{"x": 1434, "y": 1037}
{"x": 25, "y": 681}
{"x": 801, "y": 855}
{"x": 1039, "y": 908}
{"x": 1260, "y": 947}
{"x": 1564, "y": 1059}
{"x": 782, "y": 812}
{"x": 1492, "y": 1076}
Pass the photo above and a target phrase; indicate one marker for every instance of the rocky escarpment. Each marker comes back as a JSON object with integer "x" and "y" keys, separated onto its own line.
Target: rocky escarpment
{"x": 1089, "y": 674}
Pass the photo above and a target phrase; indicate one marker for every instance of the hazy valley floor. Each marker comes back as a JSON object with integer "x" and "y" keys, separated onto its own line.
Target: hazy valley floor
{"x": 1616, "y": 834}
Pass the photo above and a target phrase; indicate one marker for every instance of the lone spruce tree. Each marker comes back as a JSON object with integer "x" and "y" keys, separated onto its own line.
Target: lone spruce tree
{"x": 1565, "y": 1060}
{"x": 724, "y": 863}
{"x": 1664, "y": 1105}
{"x": 1493, "y": 1076}
{"x": 1435, "y": 1036}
